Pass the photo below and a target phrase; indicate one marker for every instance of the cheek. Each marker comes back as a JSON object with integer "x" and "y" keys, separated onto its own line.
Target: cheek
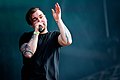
{"x": 33, "y": 24}
{"x": 45, "y": 21}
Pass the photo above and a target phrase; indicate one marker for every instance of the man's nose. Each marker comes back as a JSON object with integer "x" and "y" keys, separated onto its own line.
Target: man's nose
{"x": 39, "y": 20}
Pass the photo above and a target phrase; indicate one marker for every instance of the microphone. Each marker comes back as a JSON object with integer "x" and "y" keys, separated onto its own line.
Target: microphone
{"x": 40, "y": 28}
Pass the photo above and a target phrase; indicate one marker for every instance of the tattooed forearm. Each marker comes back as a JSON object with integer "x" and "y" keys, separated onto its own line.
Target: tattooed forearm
{"x": 65, "y": 36}
{"x": 28, "y": 49}
{"x": 25, "y": 49}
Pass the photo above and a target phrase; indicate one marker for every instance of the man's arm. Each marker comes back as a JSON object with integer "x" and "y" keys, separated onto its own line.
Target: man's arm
{"x": 65, "y": 37}
{"x": 28, "y": 49}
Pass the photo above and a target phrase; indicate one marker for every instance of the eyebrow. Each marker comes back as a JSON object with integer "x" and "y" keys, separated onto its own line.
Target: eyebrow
{"x": 39, "y": 15}
{"x": 33, "y": 18}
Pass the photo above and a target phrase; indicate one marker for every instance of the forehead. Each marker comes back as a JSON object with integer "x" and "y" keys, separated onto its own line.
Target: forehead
{"x": 37, "y": 13}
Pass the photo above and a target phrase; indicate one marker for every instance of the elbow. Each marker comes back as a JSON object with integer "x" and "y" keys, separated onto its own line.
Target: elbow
{"x": 28, "y": 55}
{"x": 69, "y": 42}
{"x": 26, "y": 51}
{"x": 64, "y": 41}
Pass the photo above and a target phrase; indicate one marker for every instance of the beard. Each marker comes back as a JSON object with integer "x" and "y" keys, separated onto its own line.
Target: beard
{"x": 41, "y": 30}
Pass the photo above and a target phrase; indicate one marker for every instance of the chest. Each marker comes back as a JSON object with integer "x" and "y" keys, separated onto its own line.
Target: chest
{"x": 45, "y": 41}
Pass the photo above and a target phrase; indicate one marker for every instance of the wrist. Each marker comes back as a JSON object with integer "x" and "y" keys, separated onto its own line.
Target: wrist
{"x": 59, "y": 20}
{"x": 36, "y": 33}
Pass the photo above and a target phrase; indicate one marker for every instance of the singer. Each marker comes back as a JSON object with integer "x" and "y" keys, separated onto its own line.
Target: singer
{"x": 40, "y": 48}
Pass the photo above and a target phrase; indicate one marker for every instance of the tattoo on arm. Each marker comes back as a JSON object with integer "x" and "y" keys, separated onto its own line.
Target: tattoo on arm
{"x": 33, "y": 37}
{"x": 66, "y": 36}
{"x": 25, "y": 49}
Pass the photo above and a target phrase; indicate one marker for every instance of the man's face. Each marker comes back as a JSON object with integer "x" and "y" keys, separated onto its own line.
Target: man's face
{"x": 38, "y": 18}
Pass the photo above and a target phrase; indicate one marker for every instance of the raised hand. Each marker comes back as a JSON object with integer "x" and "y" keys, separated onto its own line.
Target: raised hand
{"x": 57, "y": 12}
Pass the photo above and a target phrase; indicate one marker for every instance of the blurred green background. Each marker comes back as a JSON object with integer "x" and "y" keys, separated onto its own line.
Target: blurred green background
{"x": 94, "y": 24}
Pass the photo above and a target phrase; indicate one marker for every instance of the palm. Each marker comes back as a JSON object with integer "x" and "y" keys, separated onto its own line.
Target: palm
{"x": 57, "y": 12}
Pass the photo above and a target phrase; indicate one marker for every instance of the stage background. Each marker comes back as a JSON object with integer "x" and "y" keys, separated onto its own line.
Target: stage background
{"x": 95, "y": 27}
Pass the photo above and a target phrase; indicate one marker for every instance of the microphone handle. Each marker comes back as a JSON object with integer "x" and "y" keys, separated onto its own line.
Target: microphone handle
{"x": 40, "y": 28}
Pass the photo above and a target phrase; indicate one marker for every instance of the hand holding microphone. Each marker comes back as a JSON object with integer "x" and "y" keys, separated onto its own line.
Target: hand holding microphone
{"x": 38, "y": 27}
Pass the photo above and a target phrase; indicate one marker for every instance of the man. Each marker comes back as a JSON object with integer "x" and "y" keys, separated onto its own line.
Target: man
{"x": 40, "y": 48}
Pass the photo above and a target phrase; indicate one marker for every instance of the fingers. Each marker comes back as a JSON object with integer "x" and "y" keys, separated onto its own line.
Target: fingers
{"x": 36, "y": 25}
{"x": 53, "y": 11}
{"x": 57, "y": 5}
{"x": 57, "y": 8}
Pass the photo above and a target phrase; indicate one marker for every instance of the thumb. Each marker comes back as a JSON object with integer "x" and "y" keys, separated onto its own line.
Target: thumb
{"x": 53, "y": 11}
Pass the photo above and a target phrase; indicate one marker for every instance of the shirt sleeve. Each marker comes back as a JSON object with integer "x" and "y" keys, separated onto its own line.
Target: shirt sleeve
{"x": 24, "y": 39}
{"x": 55, "y": 35}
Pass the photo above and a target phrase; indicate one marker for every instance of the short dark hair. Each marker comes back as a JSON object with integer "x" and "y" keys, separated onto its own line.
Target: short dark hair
{"x": 29, "y": 13}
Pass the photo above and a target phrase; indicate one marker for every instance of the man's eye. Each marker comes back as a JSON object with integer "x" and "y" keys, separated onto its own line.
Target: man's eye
{"x": 34, "y": 19}
{"x": 40, "y": 17}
